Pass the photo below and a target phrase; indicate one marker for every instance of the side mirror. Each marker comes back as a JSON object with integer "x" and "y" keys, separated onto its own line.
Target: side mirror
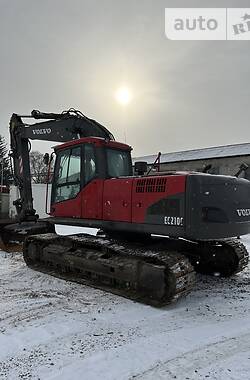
{"x": 141, "y": 167}
{"x": 46, "y": 159}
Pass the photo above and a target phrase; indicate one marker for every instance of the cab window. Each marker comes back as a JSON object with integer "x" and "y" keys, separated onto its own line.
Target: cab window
{"x": 89, "y": 163}
{"x": 68, "y": 174}
{"x": 119, "y": 163}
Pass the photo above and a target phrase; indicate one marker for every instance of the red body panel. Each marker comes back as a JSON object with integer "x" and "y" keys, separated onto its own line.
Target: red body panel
{"x": 117, "y": 199}
{"x": 175, "y": 184}
{"x": 120, "y": 199}
{"x": 92, "y": 200}
{"x": 70, "y": 208}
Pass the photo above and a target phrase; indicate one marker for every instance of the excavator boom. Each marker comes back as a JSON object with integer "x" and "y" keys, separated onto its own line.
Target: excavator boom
{"x": 67, "y": 126}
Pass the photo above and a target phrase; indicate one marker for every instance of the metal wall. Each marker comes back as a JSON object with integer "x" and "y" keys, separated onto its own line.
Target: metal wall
{"x": 226, "y": 166}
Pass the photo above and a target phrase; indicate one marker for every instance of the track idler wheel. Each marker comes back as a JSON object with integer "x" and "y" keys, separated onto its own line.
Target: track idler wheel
{"x": 223, "y": 258}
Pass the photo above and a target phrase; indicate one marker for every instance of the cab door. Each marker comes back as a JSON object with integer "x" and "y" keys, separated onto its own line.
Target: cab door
{"x": 92, "y": 193}
{"x": 68, "y": 182}
{"x": 77, "y": 191}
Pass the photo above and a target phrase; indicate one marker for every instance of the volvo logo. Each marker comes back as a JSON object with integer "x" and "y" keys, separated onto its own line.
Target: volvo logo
{"x": 43, "y": 131}
{"x": 243, "y": 211}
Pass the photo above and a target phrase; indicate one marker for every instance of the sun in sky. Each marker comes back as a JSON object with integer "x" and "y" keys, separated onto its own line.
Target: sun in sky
{"x": 123, "y": 95}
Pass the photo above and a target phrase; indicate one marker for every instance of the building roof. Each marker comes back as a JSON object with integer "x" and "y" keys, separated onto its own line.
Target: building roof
{"x": 200, "y": 154}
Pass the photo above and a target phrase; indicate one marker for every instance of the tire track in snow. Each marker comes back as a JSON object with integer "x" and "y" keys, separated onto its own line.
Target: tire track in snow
{"x": 64, "y": 348}
{"x": 189, "y": 364}
{"x": 142, "y": 356}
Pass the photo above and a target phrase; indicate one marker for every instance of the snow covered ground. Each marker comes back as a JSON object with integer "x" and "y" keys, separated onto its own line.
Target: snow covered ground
{"x": 52, "y": 329}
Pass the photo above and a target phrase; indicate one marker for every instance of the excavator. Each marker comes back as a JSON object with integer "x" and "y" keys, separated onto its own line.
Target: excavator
{"x": 156, "y": 229}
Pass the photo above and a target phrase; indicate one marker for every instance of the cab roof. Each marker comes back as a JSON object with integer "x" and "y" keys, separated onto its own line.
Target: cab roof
{"x": 98, "y": 141}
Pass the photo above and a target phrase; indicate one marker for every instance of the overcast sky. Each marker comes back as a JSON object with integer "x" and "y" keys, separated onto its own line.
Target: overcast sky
{"x": 57, "y": 54}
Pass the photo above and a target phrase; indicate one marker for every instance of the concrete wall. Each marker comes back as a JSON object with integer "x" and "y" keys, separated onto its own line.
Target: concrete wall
{"x": 226, "y": 166}
{"x": 39, "y": 197}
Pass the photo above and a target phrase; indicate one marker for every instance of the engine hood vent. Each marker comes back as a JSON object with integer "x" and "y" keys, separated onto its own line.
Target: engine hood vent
{"x": 151, "y": 185}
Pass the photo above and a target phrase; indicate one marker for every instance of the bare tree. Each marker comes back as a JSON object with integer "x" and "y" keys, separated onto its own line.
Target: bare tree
{"x": 38, "y": 169}
{"x": 5, "y": 172}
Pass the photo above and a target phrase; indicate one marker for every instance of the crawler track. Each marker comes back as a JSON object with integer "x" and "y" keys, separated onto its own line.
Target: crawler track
{"x": 156, "y": 271}
{"x": 139, "y": 271}
{"x": 224, "y": 257}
